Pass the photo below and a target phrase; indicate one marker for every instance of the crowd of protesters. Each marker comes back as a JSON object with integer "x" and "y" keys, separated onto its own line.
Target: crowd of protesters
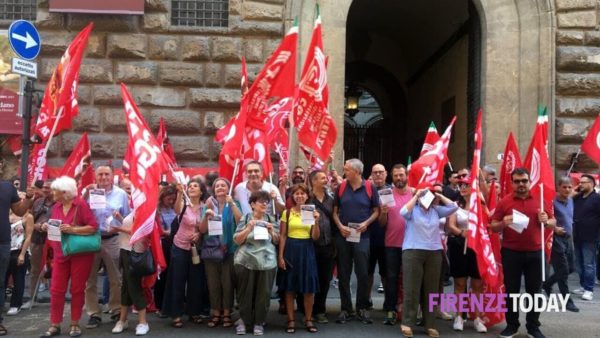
{"x": 228, "y": 247}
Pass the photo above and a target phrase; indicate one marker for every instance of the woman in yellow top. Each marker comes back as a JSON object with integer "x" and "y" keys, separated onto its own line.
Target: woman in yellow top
{"x": 297, "y": 258}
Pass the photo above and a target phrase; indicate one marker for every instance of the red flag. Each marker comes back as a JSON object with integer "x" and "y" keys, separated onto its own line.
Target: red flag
{"x": 38, "y": 165}
{"x": 277, "y": 134}
{"x": 60, "y": 97}
{"x": 163, "y": 139}
{"x": 431, "y": 138}
{"x": 80, "y": 157}
{"x": 591, "y": 144}
{"x": 540, "y": 169}
{"x": 148, "y": 161}
{"x": 427, "y": 167}
{"x": 478, "y": 239}
{"x": 316, "y": 128}
{"x": 510, "y": 161}
{"x": 15, "y": 145}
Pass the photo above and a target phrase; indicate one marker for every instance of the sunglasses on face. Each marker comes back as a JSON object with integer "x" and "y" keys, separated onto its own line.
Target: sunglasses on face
{"x": 521, "y": 181}
{"x": 461, "y": 176}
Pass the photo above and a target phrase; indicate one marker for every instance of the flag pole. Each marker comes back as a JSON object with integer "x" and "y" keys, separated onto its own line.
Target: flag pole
{"x": 49, "y": 139}
{"x": 187, "y": 198}
{"x": 542, "y": 232}
{"x": 573, "y": 161}
{"x": 235, "y": 172}
{"x": 271, "y": 181}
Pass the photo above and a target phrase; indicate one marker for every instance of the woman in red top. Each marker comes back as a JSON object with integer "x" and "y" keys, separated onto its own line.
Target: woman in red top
{"x": 76, "y": 218}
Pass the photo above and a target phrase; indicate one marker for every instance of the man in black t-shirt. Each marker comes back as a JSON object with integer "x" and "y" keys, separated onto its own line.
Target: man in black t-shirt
{"x": 9, "y": 200}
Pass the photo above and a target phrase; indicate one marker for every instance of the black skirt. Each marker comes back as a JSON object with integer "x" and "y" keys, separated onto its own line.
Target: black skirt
{"x": 301, "y": 266}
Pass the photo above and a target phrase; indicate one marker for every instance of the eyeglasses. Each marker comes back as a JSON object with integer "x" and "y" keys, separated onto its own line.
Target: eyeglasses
{"x": 298, "y": 172}
{"x": 463, "y": 186}
{"x": 263, "y": 202}
{"x": 378, "y": 172}
{"x": 584, "y": 182}
{"x": 521, "y": 181}
{"x": 461, "y": 176}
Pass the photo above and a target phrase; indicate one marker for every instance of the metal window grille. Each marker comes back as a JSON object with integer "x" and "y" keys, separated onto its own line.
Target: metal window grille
{"x": 18, "y": 9}
{"x": 200, "y": 13}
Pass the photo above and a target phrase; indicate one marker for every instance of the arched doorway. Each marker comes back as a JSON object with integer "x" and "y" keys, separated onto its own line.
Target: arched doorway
{"x": 418, "y": 60}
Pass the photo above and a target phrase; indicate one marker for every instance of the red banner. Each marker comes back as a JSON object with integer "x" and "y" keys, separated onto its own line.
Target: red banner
{"x": 510, "y": 161}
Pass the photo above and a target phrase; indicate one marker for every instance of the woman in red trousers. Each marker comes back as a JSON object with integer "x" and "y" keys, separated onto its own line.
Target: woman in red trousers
{"x": 75, "y": 217}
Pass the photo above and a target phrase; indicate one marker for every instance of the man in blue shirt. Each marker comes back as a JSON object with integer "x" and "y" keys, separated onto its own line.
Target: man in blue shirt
{"x": 356, "y": 207}
{"x": 117, "y": 200}
{"x": 562, "y": 246}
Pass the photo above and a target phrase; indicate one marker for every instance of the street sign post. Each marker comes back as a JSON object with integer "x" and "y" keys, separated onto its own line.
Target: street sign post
{"x": 24, "y": 39}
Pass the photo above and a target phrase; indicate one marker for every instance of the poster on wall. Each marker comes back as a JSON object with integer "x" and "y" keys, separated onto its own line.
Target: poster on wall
{"x": 98, "y": 7}
{"x": 10, "y": 123}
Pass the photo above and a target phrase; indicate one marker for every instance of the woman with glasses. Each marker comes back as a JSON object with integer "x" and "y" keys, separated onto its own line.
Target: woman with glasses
{"x": 255, "y": 263}
{"x": 463, "y": 264}
{"x": 182, "y": 270}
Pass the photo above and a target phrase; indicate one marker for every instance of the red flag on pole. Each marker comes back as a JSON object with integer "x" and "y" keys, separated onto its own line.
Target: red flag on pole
{"x": 591, "y": 144}
{"x": 148, "y": 161}
{"x": 163, "y": 139}
{"x": 431, "y": 138}
{"x": 427, "y": 167}
{"x": 79, "y": 163}
{"x": 316, "y": 128}
{"x": 38, "y": 165}
{"x": 60, "y": 97}
{"x": 540, "y": 169}
{"x": 510, "y": 161}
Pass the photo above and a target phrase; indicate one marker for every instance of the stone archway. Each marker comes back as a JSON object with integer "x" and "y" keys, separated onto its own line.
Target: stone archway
{"x": 517, "y": 63}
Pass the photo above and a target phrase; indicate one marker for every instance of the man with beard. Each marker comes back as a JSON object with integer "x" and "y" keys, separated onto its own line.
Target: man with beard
{"x": 586, "y": 234}
{"x": 521, "y": 251}
{"x": 255, "y": 182}
{"x": 394, "y": 224}
{"x": 377, "y": 250}
{"x": 298, "y": 176}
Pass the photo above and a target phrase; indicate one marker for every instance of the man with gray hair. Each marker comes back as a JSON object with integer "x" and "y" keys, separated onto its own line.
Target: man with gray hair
{"x": 562, "y": 245}
{"x": 106, "y": 200}
{"x": 356, "y": 206}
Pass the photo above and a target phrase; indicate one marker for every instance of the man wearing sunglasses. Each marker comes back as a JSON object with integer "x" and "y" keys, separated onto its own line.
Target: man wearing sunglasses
{"x": 586, "y": 234}
{"x": 521, "y": 251}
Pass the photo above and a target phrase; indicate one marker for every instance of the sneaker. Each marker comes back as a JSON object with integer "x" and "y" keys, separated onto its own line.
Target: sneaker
{"x": 587, "y": 295}
{"x": 93, "y": 322}
{"x": 342, "y": 317}
{"x": 380, "y": 288}
{"x": 42, "y": 287}
{"x": 334, "y": 283}
{"x": 120, "y": 327}
{"x": 142, "y": 329}
{"x": 27, "y": 305}
{"x": 458, "y": 323}
{"x": 259, "y": 330}
{"x": 509, "y": 332}
{"x": 390, "y": 318}
{"x": 535, "y": 332}
{"x": 579, "y": 291}
{"x": 321, "y": 318}
{"x": 240, "y": 328}
{"x": 365, "y": 317}
{"x": 13, "y": 311}
{"x": 571, "y": 306}
{"x": 479, "y": 326}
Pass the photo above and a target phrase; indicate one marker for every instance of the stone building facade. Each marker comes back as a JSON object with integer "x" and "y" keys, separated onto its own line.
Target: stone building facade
{"x": 532, "y": 52}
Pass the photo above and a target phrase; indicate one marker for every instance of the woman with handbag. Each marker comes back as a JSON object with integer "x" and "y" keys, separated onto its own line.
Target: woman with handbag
{"x": 297, "y": 258}
{"x": 183, "y": 270}
{"x": 255, "y": 263}
{"x": 78, "y": 233}
{"x": 217, "y": 251}
{"x": 131, "y": 286}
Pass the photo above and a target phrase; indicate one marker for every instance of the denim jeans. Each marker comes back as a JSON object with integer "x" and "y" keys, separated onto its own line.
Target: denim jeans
{"x": 349, "y": 253}
{"x": 4, "y": 262}
{"x": 561, "y": 249}
{"x": 393, "y": 257}
{"x": 585, "y": 256}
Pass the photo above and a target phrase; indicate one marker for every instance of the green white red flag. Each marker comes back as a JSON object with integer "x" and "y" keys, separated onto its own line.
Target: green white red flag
{"x": 427, "y": 167}
{"x": 431, "y": 138}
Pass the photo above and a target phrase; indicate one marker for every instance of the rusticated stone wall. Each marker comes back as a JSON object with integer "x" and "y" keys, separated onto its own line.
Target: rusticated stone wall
{"x": 189, "y": 76}
{"x": 577, "y": 78}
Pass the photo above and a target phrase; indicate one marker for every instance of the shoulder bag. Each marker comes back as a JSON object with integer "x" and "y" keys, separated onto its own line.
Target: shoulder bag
{"x": 73, "y": 244}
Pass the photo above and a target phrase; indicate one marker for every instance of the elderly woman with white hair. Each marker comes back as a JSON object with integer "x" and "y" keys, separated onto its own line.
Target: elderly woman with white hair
{"x": 75, "y": 218}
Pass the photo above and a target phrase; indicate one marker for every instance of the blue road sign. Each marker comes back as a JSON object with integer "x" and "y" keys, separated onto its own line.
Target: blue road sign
{"x": 24, "y": 39}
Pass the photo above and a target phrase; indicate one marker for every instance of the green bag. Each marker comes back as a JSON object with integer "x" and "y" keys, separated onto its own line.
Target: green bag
{"x": 80, "y": 244}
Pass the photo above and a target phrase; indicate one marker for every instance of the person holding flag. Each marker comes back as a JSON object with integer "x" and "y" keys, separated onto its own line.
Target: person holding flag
{"x": 519, "y": 218}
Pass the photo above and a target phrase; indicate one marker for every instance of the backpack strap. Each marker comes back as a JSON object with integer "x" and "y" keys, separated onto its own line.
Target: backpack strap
{"x": 368, "y": 187}
{"x": 342, "y": 188}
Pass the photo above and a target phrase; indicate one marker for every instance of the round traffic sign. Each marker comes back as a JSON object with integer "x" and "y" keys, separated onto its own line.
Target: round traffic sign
{"x": 24, "y": 39}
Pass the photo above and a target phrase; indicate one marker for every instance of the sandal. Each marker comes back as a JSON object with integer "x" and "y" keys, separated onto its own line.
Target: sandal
{"x": 214, "y": 321}
{"x": 227, "y": 322}
{"x": 406, "y": 331}
{"x": 74, "y": 331}
{"x": 291, "y": 328}
{"x": 196, "y": 319}
{"x": 177, "y": 323}
{"x": 51, "y": 332}
{"x": 310, "y": 328}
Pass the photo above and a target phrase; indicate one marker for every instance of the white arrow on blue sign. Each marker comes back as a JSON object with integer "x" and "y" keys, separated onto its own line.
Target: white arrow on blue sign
{"x": 24, "y": 39}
